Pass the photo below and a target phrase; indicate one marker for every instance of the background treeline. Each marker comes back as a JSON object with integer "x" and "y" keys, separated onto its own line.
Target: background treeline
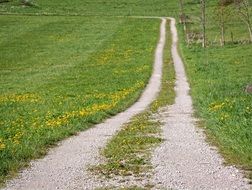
{"x": 216, "y": 22}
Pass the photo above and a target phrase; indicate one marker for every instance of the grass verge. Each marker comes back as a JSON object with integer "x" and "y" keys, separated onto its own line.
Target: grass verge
{"x": 227, "y": 110}
{"x": 218, "y": 77}
{"x": 129, "y": 152}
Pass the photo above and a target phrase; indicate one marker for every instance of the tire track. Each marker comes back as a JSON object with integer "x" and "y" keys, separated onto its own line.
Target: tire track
{"x": 185, "y": 160}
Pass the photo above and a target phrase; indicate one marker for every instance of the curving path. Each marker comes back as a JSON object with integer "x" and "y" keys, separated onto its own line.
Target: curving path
{"x": 65, "y": 167}
{"x": 185, "y": 160}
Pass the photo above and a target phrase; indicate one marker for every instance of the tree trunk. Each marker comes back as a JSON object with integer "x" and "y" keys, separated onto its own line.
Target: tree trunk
{"x": 183, "y": 17}
{"x": 222, "y": 35}
{"x": 250, "y": 31}
{"x": 182, "y": 13}
{"x": 222, "y": 27}
{"x": 203, "y": 22}
{"x": 232, "y": 37}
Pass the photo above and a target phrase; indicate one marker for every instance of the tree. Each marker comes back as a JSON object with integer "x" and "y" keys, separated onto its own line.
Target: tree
{"x": 203, "y": 21}
{"x": 182, "y": 14}
{"x": 183, "y": 19}
{"x": 243, "y": 10}
{"x": 222, "y": 15}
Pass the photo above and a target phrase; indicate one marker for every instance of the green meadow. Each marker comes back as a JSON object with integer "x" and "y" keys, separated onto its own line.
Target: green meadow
{"x": 60, "y": 75}
{"x": 93, "y": 7}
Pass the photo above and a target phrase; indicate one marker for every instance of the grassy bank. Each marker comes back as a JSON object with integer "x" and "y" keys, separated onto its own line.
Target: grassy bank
{"x": 129, "y": 152}
{"x": 60, "y": 75}
{"x": 218, "y": 77}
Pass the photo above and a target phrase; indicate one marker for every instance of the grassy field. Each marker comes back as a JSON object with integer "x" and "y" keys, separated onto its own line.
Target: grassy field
{"x": 60, "y": 75}
{"x": 218, "y": 77}
{"x": 92, "y": 8}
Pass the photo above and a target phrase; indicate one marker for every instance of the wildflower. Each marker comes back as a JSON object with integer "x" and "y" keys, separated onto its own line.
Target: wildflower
{"x": 215, "y": 107}
{"x": 33, "y": 98}
{"x": 2, "y": 146}
{"x": 17, "y": 137}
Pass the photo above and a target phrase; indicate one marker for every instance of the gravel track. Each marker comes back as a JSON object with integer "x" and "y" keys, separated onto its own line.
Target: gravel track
{"x": 185, "y": 160}
{"x": 66, "y": 166}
